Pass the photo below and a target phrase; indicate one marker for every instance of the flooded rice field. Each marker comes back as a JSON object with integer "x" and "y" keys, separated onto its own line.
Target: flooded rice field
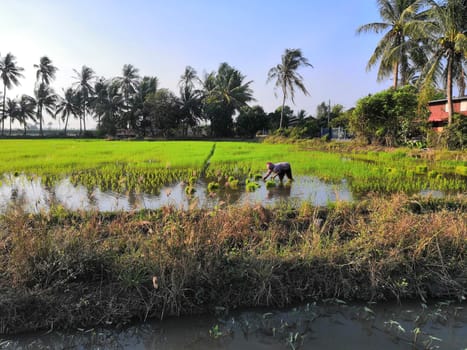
{"x": 32, "y": 196}
{"x": 328, "y": 325}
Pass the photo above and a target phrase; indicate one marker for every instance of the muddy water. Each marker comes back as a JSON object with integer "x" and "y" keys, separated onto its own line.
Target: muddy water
{"x": 330, "y": 325}
{"x": 32, "y": 196}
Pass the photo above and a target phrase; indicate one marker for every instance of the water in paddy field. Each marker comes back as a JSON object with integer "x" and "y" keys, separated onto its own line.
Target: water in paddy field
{"x": 32, "y": 196}
{"x": 325, "y": 326}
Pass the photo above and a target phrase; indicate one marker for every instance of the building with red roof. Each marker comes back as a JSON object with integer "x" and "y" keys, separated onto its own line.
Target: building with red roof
{"x": 439, "y": 111}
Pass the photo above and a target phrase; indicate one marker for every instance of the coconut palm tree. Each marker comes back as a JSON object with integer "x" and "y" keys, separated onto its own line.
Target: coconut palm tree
{"x": 67, "y": 106}
{"x": 10, "y": 74}
{"x": 286, "y": 76}
{"x": 84, "y": 84}
{"x": 401, "y": 19}
{"x": 45, "y": 71}
{"x": 11, "y": 110}
{"x": 225, "y": 93}
{"x": 190, "y": 99}
{"x": 446, "y": 35}
{"x": 45, "y": 101}
{"x": 26, "y": 110}
{"x": 189, "y": 78}
{"x": 108, "y": 105}
{"x": 129, "y": 81}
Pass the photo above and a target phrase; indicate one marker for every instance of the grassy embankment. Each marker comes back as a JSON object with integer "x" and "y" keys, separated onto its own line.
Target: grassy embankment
{"x": 79, "y": 269}
{"x": 64, "y": 270}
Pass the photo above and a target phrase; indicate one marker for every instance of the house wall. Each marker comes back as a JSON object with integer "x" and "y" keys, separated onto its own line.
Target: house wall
{"x": 439, "y": 110}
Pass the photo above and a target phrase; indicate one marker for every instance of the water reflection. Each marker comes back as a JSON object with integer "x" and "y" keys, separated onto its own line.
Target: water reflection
{"x": 32, "y": 196}
{"x": 331, "y": 324}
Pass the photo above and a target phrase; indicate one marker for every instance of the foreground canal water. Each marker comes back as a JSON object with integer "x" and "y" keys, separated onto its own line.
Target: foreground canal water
{"x": 331, "y": 324}
{"x": 32, "y": 196}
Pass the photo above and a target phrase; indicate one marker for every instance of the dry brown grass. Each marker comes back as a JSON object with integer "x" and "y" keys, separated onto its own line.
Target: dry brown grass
{"x": 86, "y": 269}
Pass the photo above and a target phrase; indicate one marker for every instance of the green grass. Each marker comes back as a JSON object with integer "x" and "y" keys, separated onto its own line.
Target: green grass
{"x": 147, "y": 166}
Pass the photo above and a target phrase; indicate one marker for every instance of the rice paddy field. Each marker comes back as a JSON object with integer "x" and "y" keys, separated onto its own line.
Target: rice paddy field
{"x": 148, "y": 166}
{"x": 68, "y": 269}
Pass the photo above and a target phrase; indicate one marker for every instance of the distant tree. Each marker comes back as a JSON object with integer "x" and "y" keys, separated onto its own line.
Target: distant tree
{"x": 225, "y": 92}
{"x": 251, "y": 120}
{"x": 45, "y": 71}
{"x": 164, "y": 111}
{"x": 286, "y": 76}
{"x": 108, "y": 106}
{"x": 26, "y": 110}
{"x": 45, "y": 101}
{"x": 128, "y": 81}
{"x": 10, "y": 74}
{"x": 67, "y": 106}
{"x": 84, "y": 85}
{"x": 301, "y": 117}
{"x": 190, "y": 99}
{"x": 281, "y": 113}
{"x": 11, "y": 110}
{"x": 146, "y": 87}
{"x": 402, "y": 19}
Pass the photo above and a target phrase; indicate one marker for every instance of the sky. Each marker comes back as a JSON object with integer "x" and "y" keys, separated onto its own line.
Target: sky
{"x": 161, "y": 38}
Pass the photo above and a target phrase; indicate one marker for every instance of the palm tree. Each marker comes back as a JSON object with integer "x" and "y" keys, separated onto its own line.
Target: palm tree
{"x": 84, "y": 86}
{"x": 401, "y": 18}
{"x": 10, "y": 74}
{"x": 128, "y": 81}
{"x": 45, "y": 71}
{"x": 26, "y": 110}
{"x": 189, "y": 78}
{"x": 108, "y": 105}
{"x": 287, "y": 77}
{"x": 67, "y": 106}
{"x": 45, "y": 100}
{"x": 190, "y": 99}
{"x": 447, "y": 38}
{"x": 225, "y": 93}
{"x": 11, "y": 110}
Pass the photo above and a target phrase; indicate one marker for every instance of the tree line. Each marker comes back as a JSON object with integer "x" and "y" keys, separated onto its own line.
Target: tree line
{"x": 423, "y": 45}
{"x": 138, "y": 104}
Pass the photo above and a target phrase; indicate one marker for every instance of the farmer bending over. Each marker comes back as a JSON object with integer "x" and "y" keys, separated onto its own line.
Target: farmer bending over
{"x": 279, "y": 169}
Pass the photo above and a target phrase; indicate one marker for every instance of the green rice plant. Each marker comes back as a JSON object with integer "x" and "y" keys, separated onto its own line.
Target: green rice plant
{"x": 213, "y": 186}
{"x": 190, "y": 190}
{"x": 461, "y": 170}
{"x": 270, "y": 184}
{"x": 421, "y": 169}
{"x": 232, "y": 184}
{"x": 251, "y": 186}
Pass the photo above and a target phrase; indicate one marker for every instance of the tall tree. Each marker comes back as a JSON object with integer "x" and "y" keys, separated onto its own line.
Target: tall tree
{"x": 401, "y": 19}
{"x": 286, "y": 76}
{"x": 84, "y": 80}
{"x": 10, "y": 74}
{"x": 128, "y": 84}
{"x": 190, "y": 99}
{"x": 45, "y": 71}
{"x": 446, "y": 36}
{"x": 128, "y": 81}
{"x": 26, "y": 110}
{"x": 45, "y": 101}
{"x": 108, "y": 105}
{"x": 67, "y": 106}
{"x": 225, "y": 93}
{"x": 11, "y": 110}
